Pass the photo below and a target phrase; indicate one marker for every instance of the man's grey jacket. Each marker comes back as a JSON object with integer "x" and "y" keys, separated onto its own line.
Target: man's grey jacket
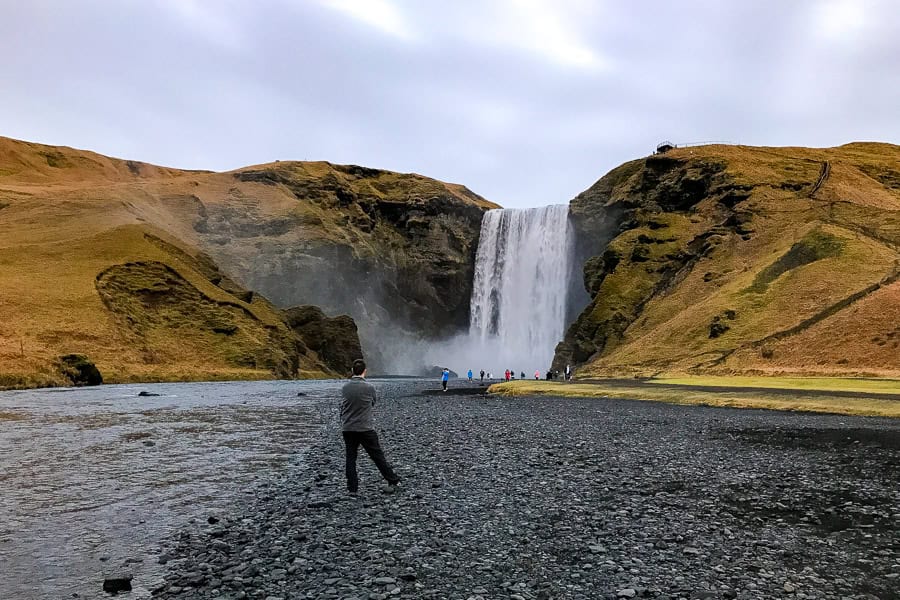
{"x": 356, "y": 409}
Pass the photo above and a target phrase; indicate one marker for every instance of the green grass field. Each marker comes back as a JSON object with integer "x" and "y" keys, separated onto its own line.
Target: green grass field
{"x": 810, "y": 400}
{"x": 829, "y": 384}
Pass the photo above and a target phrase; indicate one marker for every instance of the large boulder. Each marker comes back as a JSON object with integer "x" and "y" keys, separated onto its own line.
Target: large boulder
{"x": 79, "y": 369}
{"x": 334, "y": 339}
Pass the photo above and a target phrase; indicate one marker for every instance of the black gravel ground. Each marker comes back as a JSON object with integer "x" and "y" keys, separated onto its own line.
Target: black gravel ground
{"x": 534, "y": 498}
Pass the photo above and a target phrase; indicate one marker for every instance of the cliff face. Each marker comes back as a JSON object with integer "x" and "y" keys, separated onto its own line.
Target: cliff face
{"x": 395, "y": 251}
{"x": 730, "y": 258}
{"x": 147, "y": 271}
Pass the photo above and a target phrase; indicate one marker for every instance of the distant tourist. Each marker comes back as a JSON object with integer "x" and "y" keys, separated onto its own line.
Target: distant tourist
{"x": 522, "y": 375}
{"x": 568, "y": 373}
{"x": 359, "y": 428}
{"x": 445, "y": 377}
{"x": 482, "y": 376}
{"x": 537, "y": 374}
{"x": 470, "y": 375}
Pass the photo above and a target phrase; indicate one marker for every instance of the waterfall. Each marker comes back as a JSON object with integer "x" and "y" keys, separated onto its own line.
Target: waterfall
{"x": 518, "y": 305}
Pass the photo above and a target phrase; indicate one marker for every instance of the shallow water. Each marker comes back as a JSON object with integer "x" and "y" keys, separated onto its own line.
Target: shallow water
{"x": 92, "y": 480}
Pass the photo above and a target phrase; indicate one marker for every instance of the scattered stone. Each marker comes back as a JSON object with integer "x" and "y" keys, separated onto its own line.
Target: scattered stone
{"x": 523, "y": 499}
{"x": 146, "y": 393}
{"x": 117, "y": 583}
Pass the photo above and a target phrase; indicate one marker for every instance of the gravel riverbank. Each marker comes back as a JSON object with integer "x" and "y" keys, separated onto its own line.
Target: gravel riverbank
{"x": 528, "y": 498}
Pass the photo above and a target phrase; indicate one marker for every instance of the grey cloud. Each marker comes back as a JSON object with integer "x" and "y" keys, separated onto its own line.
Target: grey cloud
{"x": 468, "y": 92}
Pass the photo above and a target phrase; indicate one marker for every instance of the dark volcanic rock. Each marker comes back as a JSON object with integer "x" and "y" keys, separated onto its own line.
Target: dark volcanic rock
{"x": 117, "y": 583}
{"x": 334, "y": 339}
{"x": 569, "y": 499}
{"x": 436, "y": 371}
{"x": 79, "y": 369}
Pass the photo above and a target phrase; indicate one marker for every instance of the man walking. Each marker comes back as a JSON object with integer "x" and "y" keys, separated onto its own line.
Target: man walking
{"x": 445, "y": 377}
{"x": 359, "y": 429}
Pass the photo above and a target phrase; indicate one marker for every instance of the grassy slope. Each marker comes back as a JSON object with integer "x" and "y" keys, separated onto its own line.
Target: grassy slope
{"x": 848, "y": 233}
{"x": 68, "y": 214}
{"x": 805, "y": 398}
{"x": 53, "y": 308}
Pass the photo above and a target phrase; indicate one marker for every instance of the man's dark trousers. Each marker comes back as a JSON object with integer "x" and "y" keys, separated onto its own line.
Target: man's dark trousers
{"x": 369, "y": 441}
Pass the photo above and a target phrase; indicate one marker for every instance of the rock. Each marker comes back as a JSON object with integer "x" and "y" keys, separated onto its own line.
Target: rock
{"x": 705, "y": 482}
{"x": 789, "y": 588}
{"x": 145, "y": 393}
{"x": 117, "y": 583}
{"x": 436, "y": 372}
{"x": 79, "y": 369}
{"x": 334, "y": 339}
{"x": 626, "y": 593}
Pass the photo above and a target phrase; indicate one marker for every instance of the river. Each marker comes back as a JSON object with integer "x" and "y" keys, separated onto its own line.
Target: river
{"x": 93, "y": 480}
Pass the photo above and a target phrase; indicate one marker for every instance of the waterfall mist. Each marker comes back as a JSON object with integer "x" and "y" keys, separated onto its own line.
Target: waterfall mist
{"x": 518, "y": 306}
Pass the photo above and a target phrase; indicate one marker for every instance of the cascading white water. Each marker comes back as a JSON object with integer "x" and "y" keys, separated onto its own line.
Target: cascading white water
{"x": 518, "y": 305}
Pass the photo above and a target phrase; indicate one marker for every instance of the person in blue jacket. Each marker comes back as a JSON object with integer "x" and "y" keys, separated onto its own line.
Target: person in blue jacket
{"x": 445, "y": 377}
{"x": 470, "y": 375}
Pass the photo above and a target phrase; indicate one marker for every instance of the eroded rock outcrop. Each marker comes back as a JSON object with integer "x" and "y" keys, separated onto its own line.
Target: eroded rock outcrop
{"x": 79, "y": 370}
{"x": 334, "y": 339}
{"x": 395, "y": 251}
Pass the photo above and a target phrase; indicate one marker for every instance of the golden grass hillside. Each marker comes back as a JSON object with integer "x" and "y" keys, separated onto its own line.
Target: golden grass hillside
{"x": 141, "y": 309}
{"x": 733, "y": 259}
{"x": 393, "y": 250}
{"x": 103, "y": 257}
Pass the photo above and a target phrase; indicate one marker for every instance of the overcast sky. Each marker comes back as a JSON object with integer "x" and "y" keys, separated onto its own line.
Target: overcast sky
{"x": 527, "y": 102}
